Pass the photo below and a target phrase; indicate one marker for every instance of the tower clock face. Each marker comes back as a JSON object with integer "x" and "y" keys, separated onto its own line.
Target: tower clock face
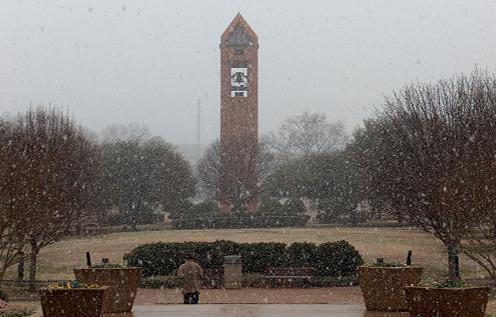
{"x": 239, "y": 82}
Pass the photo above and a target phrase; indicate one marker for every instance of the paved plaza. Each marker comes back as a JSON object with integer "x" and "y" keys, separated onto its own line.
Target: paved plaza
{"x": 254, "y": 310}
{"x": 329, "y": 302}
{"x": 324, "y": 295}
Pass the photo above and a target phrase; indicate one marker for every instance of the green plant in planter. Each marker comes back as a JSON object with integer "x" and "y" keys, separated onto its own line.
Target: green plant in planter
{"x": 72, "y": 298}
{"x": 71, "y": 285}
{"x": 446, "y": 284}
{"x": 383, "y": 284}
{"x": 122, "y": 281}
{"x": 449, "y": 298}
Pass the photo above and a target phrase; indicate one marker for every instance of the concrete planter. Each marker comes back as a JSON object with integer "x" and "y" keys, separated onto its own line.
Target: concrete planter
{"x": 447, "y": 302}
{"x": 76, "y": 302}
{"x": 123, "y": 284}
{"x": 383, "y": 287}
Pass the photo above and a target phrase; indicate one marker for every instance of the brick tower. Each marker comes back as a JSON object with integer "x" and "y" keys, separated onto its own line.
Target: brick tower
{"x": 239, "y": 117}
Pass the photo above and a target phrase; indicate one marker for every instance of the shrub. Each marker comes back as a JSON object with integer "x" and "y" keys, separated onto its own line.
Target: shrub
{"x": 164, "y": 258}
{"x": 206, "y": 207}
{"x": 271, "y": 213}
{"x": 274, "y": 214}
{"x": 155, "y": 258}
{"x": 338, "y": 258}
{"x": 210, "y": 255}
{"x": 195, "y": 216}
{"x": 257, "y": 256}
{"x": 300, "y": 254}
{"x": 329, "y": 259}
{"x": 270, "y": 206}
{"x": 119, "y": 219}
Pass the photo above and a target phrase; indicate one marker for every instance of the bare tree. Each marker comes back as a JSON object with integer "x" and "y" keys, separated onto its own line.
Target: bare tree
{"x": 436, "y": 157}
{"x": 209, "y": 169}
{"x": 480, "y": 244}
{"x": 12, "y": 240}
{"x": 307, "y": 134}
{"x": 51, "y": 178}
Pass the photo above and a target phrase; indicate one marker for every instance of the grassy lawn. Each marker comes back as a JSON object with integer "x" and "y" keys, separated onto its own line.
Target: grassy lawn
{"x": 58, "y": 260}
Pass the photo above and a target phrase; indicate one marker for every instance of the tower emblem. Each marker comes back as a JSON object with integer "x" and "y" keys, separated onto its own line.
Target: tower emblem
{"x": 239, "y": 82}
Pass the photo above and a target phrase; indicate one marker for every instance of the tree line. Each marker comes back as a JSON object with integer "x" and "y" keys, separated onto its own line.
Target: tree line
{"x": 55, "y": 178}
{"x": 427, "y": 158}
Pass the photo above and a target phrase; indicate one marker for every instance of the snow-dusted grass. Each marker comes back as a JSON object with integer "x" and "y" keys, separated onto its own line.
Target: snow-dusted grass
{"x": 58, "y": 260}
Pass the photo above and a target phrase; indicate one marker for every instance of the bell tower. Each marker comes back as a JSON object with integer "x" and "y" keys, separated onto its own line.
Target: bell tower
{"x": 239, "y": 117}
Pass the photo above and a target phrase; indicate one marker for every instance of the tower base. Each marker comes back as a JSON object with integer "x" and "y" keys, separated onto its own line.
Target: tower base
{"x": 226, "y": 207}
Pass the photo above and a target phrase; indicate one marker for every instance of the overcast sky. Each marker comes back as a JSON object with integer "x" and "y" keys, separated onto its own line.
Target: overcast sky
{"x": 149, "y": 61}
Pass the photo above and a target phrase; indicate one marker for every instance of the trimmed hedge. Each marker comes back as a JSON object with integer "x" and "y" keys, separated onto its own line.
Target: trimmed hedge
{"x": 301, "y": 254}
{"x": 257, "y": 256}
{"x": 345, "y": 259}
{"x": 329, "y": 259}
{"x": 164, "y": 258}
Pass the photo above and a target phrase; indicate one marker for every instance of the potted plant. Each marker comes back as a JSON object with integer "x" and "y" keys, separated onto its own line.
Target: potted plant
{"x": 450, "y": 298}
{"x": 123, "y": 282}
{"x": 383, "y": 285}
{"x": 73, "y": 299}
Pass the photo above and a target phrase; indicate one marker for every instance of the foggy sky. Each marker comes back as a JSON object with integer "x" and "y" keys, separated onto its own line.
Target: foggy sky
{"x": 149, "y": 61}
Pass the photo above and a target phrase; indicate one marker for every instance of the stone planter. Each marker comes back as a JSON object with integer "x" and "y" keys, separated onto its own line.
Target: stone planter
{"x": 444, "y": 302}
{"x": 123, "y": 284}
{"x": 383, "y": 287}
{"x": 76, "y": 302}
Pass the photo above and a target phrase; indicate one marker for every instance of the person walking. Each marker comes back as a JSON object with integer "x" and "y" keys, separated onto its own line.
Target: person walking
{"x": 191, "y": 274}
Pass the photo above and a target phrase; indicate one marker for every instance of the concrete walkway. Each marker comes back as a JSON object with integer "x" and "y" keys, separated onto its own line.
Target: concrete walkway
{"x": 254, "y": 310}
{"x": 325, "y": 295}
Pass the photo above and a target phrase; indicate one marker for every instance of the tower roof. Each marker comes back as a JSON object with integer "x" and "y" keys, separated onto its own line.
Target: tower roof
{"x": 239, "y": 33}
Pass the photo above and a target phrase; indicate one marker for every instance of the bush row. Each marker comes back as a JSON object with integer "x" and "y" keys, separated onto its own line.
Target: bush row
{"x": 271, "y": 213}
{"x": 238, "y": 220}
{"x": 120, "y": 219}
{"x": 329, "y": 259}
